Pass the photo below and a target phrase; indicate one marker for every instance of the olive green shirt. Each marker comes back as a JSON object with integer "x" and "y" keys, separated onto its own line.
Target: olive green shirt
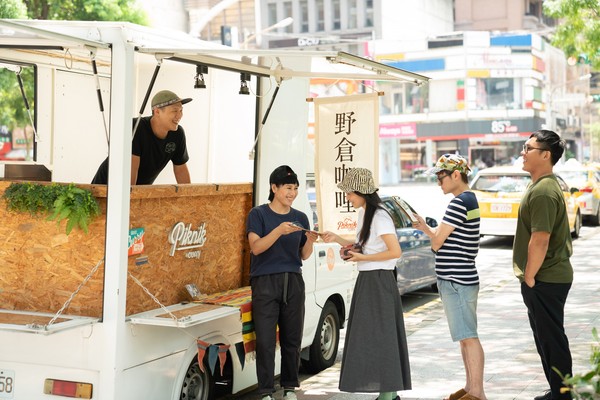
{"x": 543, "y": 209}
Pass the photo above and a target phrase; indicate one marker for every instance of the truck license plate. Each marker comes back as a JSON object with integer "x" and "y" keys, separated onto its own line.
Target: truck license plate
{"x": 501, "y": 208}
{"x": 7, "y": 383}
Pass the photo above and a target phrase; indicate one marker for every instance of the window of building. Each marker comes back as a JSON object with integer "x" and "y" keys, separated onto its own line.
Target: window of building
{"x": 352, "y": 14}
{"x": 271, "y": 14}
{"x": 303, "y": 16}
{"x": 337, "y": 15}
{"x": 320, "y": 14}
{"x": 498, "y": 93}
{"x": 287, "y": 12}
{"x": 369, "y": 13}
{"x": 403, "y": 99}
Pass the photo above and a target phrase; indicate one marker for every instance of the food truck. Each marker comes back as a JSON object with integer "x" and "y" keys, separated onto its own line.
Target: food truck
{"x": 151, "y": 299}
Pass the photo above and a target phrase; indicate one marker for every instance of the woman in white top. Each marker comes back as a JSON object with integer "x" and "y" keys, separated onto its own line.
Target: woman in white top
{"x": 375, "y": 358}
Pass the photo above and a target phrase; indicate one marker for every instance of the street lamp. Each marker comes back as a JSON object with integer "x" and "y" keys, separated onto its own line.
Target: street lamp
{"x": 281, "y": 24}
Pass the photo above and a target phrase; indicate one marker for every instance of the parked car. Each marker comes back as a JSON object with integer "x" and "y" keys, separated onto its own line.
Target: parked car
{"x": 499, "y": 191}
{"x": 416, "y": 268}
{"x": 587, "y": 180}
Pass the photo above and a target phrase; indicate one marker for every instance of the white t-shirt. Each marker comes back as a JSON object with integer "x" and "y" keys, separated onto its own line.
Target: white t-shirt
{"x": 382, "y": 224}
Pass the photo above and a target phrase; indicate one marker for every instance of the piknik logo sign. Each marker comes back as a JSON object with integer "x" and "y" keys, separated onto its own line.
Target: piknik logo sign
{"x": 183, "y": 238}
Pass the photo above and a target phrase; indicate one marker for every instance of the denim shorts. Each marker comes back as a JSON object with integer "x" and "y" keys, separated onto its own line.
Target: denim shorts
{"x": 460, "y": 307}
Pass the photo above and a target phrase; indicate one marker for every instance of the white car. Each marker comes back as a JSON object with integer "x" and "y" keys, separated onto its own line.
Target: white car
{"x": 587, "y": 180}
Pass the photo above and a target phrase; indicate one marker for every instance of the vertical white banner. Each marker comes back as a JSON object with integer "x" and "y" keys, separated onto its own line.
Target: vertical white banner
{"x": 346, "y": 137}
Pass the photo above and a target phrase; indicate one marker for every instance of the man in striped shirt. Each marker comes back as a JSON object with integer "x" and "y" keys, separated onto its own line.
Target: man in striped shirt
{"x": 455, "y": 244}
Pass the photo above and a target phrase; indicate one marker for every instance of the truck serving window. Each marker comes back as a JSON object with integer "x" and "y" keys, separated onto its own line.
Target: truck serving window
{"x": 17, "y": 112}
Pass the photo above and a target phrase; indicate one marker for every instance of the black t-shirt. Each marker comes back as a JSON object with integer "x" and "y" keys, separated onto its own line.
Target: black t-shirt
{"x": 154, "y": 153}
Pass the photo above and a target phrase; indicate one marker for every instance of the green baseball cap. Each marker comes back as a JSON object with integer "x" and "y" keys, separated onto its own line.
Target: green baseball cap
{"x": 166, "y": 98}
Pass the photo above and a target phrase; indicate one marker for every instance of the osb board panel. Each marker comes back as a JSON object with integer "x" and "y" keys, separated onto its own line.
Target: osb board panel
{"x": 40, "y": 266}
{"x": 221, "y": 257}
{"x": 23, "y": 319}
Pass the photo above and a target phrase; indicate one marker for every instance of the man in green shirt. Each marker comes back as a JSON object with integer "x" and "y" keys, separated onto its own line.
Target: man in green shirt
{"x": 541, "y": 252}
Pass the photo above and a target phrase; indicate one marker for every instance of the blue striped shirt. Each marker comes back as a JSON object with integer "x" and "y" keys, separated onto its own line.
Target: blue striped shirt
{"x": 455, "y": 260}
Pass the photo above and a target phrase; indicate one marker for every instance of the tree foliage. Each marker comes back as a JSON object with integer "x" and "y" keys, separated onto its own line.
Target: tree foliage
{"x": 579, "y": 30}
{"x": 87, "y": 10}
{"x": 13, "y": 112}
{"x": 12, "y": 9}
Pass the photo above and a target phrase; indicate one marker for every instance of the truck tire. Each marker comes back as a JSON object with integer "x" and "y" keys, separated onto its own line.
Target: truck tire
{"x": 197, "y": 385}
{"x": 324, "y": 348}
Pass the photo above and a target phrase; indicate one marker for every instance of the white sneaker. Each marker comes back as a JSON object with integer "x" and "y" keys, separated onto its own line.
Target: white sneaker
{"x": 290, "y": 396}
{"x": 267, "y": 397}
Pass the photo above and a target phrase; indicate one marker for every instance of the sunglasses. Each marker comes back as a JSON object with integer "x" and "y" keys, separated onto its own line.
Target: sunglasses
{"x": 441, "y": 177}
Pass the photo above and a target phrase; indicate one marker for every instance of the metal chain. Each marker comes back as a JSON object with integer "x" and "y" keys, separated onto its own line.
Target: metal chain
{"x": 153, "y": 297}
{"x": 68, "y": 302}
{"x": 89, "y": 276}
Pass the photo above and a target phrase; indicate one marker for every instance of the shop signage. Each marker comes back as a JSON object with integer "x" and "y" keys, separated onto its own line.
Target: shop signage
{"x": 308, "y": 41}
{"x": 135, "y": 242}
{"x": 399, "y": 130}
{"x": 345, "y": 137}
{"x": 504, "y": 126}
{"x": 183, "y": 238}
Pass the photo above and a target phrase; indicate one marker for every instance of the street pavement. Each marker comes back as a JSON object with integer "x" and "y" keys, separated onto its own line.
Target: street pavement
{"x": 512, "y": 366}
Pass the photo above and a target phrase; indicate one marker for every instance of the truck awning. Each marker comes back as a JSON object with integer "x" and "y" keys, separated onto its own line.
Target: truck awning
{"x": 178, "y": 46}
{"x": 265, "y": 63}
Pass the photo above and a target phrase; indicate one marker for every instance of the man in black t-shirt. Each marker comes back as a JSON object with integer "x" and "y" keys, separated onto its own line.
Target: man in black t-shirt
{"x": 158, "y": 140}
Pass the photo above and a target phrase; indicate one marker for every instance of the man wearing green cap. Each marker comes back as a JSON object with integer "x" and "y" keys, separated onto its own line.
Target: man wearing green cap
{"x": 157, "y": 140}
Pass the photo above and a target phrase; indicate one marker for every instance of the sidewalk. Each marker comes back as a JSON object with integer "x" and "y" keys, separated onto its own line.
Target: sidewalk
{"x": 513, "y": 369}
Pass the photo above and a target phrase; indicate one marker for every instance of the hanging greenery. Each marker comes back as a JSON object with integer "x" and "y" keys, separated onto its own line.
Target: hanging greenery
{"x": 78, "y": 206}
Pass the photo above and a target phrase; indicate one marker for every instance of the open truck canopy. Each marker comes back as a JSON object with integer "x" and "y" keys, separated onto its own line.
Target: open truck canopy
{"x": 140, "y": 343}
{"x": 60, "y": 37}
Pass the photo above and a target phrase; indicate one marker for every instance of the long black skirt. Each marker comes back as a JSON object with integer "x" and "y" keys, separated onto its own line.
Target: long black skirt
{"x": 375, "y": 357}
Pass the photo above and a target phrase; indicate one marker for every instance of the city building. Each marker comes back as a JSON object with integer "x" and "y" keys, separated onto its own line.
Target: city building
{"x": 488, "y": 92}
{"x": 495, "y": 78}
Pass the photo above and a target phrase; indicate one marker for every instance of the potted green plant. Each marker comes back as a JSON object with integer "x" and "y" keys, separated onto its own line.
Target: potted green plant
{"x": 78, "y": 206}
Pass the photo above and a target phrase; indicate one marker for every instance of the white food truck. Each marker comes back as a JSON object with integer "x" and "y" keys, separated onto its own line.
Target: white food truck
{"x": 88, "y": 315}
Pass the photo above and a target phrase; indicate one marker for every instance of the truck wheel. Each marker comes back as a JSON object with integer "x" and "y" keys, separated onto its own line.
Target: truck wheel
{"x": 197, "y": 385}
{"x": 324, "y": 348}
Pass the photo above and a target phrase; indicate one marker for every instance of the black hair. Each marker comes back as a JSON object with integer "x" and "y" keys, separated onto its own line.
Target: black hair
{"x": 551, "y": 142}
{"x": 373, "y": 202}
{"x": 463, "y": 176}
{"x": 282, "y": 175}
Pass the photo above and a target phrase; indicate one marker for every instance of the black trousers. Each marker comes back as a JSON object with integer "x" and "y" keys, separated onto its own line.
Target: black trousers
{"x": 278, "y": 299}
{"x": 546, "y": 310}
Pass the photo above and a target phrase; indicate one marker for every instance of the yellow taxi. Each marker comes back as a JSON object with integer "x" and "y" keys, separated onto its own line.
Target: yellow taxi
{"x": 499, "y": 191}
{"x": 587, "y": 180}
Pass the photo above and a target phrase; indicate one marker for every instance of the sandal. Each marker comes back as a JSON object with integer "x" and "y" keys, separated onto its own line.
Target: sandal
{"x": 457, "y": 395}
{"x": 469, "y": 397}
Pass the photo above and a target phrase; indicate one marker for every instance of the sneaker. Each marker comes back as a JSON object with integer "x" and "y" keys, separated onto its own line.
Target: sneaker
{"x": 545, "y": 396}
{"x": 290, "y": 395}
{"x": 267, "y": 397}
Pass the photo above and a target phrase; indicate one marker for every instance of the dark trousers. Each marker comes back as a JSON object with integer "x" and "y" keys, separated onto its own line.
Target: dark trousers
{"x": 546, "y": 310}
{"x": 277, "y": 299}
